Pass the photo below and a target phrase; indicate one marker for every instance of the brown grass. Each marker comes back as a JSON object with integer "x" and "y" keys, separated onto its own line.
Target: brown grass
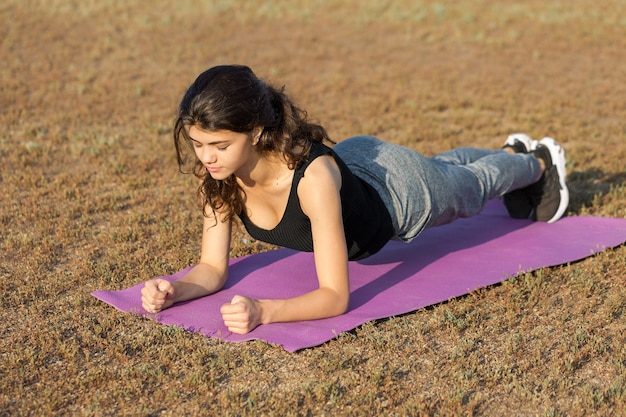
{"x": 91, "y": 199}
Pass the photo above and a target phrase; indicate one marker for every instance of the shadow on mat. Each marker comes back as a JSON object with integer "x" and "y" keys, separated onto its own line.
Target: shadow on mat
{"x": 248, "y": 264}
{"x": 434, "y": 244}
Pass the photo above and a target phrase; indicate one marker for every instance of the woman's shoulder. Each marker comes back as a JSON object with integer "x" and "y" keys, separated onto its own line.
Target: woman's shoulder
{"x": 318, "y": 149}
{"x": 315, "y": 151}
{"x": 322, "y": 170}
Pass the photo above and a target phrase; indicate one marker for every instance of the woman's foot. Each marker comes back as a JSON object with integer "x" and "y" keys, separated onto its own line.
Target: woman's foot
{"x": 547, "y": 199}
{"x": 520, "y": 143}
{"x": 554, "y": 193}
{"x": 519, "y": 203}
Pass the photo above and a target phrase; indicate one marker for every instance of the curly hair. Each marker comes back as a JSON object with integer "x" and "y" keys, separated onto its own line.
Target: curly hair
{"x": 231, "y": 97}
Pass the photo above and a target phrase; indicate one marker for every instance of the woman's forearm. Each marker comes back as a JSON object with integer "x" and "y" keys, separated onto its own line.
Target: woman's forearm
{"x": 201, "y": 280}
{"x": 317, "y": 304}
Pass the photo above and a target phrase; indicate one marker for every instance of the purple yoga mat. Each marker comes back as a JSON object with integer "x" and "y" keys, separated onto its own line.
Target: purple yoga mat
{"x": 442, "y": 263}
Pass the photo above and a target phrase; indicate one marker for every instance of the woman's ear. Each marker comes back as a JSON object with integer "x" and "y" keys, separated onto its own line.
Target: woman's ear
{"x": 256, "y": 135}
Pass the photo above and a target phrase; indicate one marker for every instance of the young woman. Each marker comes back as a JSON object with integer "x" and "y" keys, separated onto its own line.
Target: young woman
{"x": 260, "y": 160}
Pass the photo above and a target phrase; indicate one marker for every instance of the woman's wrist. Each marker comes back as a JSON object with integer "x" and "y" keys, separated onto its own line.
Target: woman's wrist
{"x": 267, "y": 310}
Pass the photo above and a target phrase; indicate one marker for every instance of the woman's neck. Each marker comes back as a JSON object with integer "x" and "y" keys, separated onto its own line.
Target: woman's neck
{"x": 265, "y": 172}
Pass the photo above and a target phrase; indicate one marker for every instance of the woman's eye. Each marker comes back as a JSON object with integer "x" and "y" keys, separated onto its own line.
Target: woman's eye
{"x": 222, "y": 148}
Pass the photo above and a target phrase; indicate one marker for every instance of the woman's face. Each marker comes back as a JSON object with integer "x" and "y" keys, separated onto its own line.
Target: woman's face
{"x": 224, "y": 152}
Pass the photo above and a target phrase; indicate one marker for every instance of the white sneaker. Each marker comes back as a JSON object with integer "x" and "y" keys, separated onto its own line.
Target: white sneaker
{"x": 554, "y": 193}
{"x": 521, "y": 203}
{"x": 517, "y": 140}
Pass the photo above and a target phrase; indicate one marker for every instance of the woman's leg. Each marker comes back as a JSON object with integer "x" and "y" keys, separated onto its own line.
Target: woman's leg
{"x": 498, "y": 171}
{"x": 463, "y": 180}
{"x": 422, "y": 192}
{"x": 463, "y": 156}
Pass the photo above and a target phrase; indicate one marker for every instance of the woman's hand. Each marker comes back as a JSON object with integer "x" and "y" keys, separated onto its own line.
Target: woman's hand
{"x": 156, "y": 295}
{"x": 242, "y": 314}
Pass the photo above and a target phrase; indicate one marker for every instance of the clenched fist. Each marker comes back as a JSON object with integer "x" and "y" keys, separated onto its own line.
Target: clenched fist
{"x": 156, "y": 295}
{"x": 242, "y": 314}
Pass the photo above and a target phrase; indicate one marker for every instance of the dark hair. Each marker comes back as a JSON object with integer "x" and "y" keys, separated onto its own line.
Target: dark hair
{"x": 231, "y": 97}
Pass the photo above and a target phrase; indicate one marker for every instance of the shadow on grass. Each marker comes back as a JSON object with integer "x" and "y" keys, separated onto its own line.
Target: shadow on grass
{"x": 586, "y": 186}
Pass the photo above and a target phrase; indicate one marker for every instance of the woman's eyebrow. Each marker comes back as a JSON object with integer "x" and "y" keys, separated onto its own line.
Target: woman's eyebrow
{"x": 217, "y": 142}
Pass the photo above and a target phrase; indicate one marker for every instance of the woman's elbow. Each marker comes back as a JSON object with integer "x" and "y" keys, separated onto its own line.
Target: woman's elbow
{"x": 222, "y": 280}
{"x": 343, "y": 304}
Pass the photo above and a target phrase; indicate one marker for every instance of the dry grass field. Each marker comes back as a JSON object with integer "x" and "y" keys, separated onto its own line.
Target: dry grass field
{"x": 91, "y": 198}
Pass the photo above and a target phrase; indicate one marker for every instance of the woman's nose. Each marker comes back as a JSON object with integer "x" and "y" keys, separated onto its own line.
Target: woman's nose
{"x": 208, "y": 155}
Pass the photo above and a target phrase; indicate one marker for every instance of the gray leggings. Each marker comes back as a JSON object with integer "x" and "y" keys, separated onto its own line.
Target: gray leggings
{"x": 422, "y": 192}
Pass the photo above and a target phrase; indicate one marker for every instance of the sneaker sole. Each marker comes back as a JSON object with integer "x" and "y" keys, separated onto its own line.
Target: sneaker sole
{"x": 557, "y": 153}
